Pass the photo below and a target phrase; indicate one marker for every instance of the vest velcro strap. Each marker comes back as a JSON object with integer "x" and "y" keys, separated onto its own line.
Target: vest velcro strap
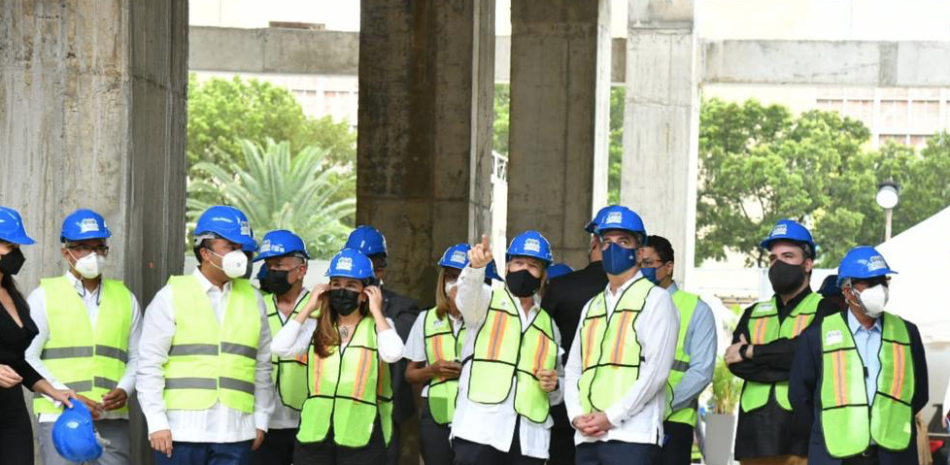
{"x": 237, "y": 385}
{"x": 191, "y": 383}
{"x": 238, "y": 349}
{"x": 192, "y": 349}
{"x": 679, "y": 365}
{"x": 66, "y": 352}
{"x": 112, "y": 352}
{"x": 105, "y": 383}
{"x": 80, "y": 386}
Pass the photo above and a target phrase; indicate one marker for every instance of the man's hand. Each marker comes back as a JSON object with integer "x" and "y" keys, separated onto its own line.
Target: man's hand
{"x": 95, "y": 408}
{"x": 480, "y": 255}
{"x": 446, "y": 369}
{"x": 732, "y": 352}
{"x": 258, "y": 440}
{"x": 548, "y": 379}
{"x": 161, "y": 441}
{"x": 586, "y": 425}
{"x": 115, "y": 399}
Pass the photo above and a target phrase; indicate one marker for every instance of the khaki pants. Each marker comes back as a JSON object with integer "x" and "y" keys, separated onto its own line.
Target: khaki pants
{"x": 777, "y": 460}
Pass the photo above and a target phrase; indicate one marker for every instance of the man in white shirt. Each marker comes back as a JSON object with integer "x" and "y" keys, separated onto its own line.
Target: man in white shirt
{"x": 204, "y": 377}
{"x": 627, "y": 337}
{"x": 89, "y": 329}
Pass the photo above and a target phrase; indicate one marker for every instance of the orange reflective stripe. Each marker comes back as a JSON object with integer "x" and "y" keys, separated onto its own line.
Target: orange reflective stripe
{"x": 317, "y": 373}
{"x": 437, "y": 348}
{"x": 799, "y": 325}
{"x": 497, "y": 335}
{"x": 539, "y": 353}
{"x": 841, "y": 378}
{"x": 759, "y": 336}
{"x": 302, "y": 358}
{"x": 380, "y": 379}
{"x": 589, "y": 347}
{"x": 621, "y": 336}
{"x": 897, "y": 384}
{"x": 361, "y": 374}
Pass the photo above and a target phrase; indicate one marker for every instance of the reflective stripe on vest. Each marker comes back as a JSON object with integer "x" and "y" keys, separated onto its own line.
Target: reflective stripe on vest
{"x": 288, "y": 374}
{"x": 349, "y": 391}
{"x": 844, "y": 401}
{"x": 686, "y": 305}
{"x": 89, "y": 360}
{"x": 210, "y": 361}
{"x": 610, "y": 351}
{"x": 442, "y": 344}
{"x": 504, "y": 352}
{"x": 764, "y": 327}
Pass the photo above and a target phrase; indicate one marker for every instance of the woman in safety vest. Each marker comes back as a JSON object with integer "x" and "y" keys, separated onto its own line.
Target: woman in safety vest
{"x": 349, "y": 344}
{"x": 510, "y": 360}
{"x": 434, "y": 349}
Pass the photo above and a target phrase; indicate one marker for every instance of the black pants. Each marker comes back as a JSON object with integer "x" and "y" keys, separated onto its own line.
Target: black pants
{"x": 870, "y": 457}
{"x": 327, "y": 452}
{"x": 434, "y": 438}
{"x": 392, "y": 450}
{"x": 277, "y": 448}
{"x": 16, "y": 432}
{"x": 473, "y": 453}
{"x": 562, "y": 438}
{"x": 678, "y": 449}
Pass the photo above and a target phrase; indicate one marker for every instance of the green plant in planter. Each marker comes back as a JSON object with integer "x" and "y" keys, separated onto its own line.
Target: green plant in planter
{"x": 727, "y": 389}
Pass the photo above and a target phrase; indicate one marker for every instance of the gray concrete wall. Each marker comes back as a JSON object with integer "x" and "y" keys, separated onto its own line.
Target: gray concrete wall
{"x": 92, "y": 114}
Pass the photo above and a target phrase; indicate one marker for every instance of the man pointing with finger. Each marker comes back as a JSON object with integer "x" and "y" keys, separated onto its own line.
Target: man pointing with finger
{"x": 510, "y": 361}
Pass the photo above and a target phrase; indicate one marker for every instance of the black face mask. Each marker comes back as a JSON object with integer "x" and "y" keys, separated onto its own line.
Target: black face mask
{"x": 276, "y": 282}
{"x": 522, "y": 283}
{"x": 786, "y": 277}
{"x": 344, "y": 301}
{"x": 12, "y": 262}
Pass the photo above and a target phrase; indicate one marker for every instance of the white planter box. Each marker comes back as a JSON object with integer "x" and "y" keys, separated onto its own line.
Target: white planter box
{"x": 720, "y": 436}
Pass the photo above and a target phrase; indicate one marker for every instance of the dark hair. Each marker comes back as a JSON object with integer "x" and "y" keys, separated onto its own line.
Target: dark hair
{"x": 662, "y": 247}
{"x": 10, "y": 285}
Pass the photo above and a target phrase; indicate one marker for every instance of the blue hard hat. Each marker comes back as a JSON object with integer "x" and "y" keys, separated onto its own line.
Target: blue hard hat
{"x": 598, "y": 218}
{"x": 559, "y": 269}
{"x": 491, "y": 271}
{"x": 829, "y": 287}
{"x": 262, "y": 272}
{"x": 11, "y": 227}
{"x": 84, "y": 224}
{"x": 530, "y": 244}
{"x": 788, "y": 230}
{"x": 350, "y": 263}
{"x": 281, "y": 242}
{"x": 368, "y": 240}
{"x": 863, "y": 262}
{"x": 73, "y": 435}
{"x": 622, "y": 218}
{"x": 228, "y": 223}
{"x": 455, "y": 256}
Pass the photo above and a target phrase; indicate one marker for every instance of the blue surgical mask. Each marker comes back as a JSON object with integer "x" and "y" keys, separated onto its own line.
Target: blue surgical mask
{"x": 650, "y": 274}
{"x": 618, "y": 259}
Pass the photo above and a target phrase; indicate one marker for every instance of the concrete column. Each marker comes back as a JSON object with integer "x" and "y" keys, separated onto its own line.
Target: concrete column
{"x": 92, "y": 114}
{"x": 425, "y": 118}
{"x": 560, "y": 103}
{"x": 661, "y": 123}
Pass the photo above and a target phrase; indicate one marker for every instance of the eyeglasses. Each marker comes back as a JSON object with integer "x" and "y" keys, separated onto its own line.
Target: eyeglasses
{"x": 87, "y": 249}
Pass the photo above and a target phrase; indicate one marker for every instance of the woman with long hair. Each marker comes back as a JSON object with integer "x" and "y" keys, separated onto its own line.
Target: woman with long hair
{"x": 348, "y": 345}
{"x": 17, "y": 330}
{"x": 434, "y": 351}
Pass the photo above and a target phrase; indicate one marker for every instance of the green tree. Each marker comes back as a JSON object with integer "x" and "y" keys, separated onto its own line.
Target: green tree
{"x": 502, "y": 121}
{"x": 279, "y": 191}
{"x": 615, "y": 162}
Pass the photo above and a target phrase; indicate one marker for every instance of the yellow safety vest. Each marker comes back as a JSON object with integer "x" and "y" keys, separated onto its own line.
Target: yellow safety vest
{"x": 685, "y": 303}
{"x": 442, "y": 344}
{"x": 88, "y": 360}
{"x": 610, "y": 351}
{"x": 289, "y": 374}
{"x": 348, "y": 389}
{"x": 764, "y": 327}
{"x": 210, "y": 361}
{"x": 848, "y": 422}
{"x": 503, "y": 352}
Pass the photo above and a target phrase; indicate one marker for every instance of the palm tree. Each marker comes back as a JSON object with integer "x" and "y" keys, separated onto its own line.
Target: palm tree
{"x": 280, "y": 191}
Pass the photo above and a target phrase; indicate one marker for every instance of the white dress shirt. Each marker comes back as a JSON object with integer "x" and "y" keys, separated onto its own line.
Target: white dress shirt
{"x": 416, "y": 344}
{"x": 494, "y": 425}
{"x": 37, "y": 303}
{"x": 285, "y": 417}
{"x": 218, "y": 424}
{"x": 293, "y": 340}
{"x": 638, "y": 416}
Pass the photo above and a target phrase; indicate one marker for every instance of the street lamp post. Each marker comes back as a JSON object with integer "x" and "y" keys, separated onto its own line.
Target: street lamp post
{"x": 888, "y": 195}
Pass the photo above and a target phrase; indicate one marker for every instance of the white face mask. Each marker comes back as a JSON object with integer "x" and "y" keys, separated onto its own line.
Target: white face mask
{"x": 90, "y": 266}
{"x": 873, "y": 300}
{"x": 449, "y": 286}
{"x": 233, "y": 263}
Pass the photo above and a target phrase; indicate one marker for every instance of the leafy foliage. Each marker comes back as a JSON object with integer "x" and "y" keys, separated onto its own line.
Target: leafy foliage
{"x": 502, "y": 121}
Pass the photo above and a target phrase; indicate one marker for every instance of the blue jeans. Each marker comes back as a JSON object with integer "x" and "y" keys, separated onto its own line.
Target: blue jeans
{"x": 205, "y": 453}
{"x": 618, "y": 453}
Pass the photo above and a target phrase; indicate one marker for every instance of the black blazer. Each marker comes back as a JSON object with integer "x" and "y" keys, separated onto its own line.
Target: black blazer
{"x": 804, "y": 392}
{"x": 403, "y": 311}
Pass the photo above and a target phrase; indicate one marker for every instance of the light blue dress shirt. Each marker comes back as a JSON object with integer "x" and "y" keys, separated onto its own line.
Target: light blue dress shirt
{"x": 700, "y": 344}
{"x": 868, "y": 342}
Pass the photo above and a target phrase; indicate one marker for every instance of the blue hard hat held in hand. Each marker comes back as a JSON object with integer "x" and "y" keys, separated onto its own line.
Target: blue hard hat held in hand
{"x": 455, "y": 256}
{"x": 74, "y": 436}
{"x": 491, "y": 272}
{"x": 788, "y": 230}
{"x": 228, "y": 223}
{"x": 84, "y": 224}
{"x": 350, "y": 263}
{"x": 863, "y": 262}
{"x": 559, "y": 269}
{"x": 530, "y": 244}
{"x": 11, "y": 227}
{"x": 368, "y": 240}
{"x": 279, "y": 243}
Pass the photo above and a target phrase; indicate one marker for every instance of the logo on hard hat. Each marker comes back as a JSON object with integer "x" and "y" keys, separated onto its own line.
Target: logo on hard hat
{"x": 532, "y": 245}
{"x": 614, "y": 217}
{"x": 779, "y": 230}
{"x": 876, "y": 263}
{"x": 344, "y": 264}
{"x": 268, "y": 246}
{"x": 245, "y": 228}
{"x": 458, "y": 257}
{"x": 88, "y": 225}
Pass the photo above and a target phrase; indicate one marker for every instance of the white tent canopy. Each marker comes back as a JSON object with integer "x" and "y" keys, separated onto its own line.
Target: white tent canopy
{"x": 921, "y": 256}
